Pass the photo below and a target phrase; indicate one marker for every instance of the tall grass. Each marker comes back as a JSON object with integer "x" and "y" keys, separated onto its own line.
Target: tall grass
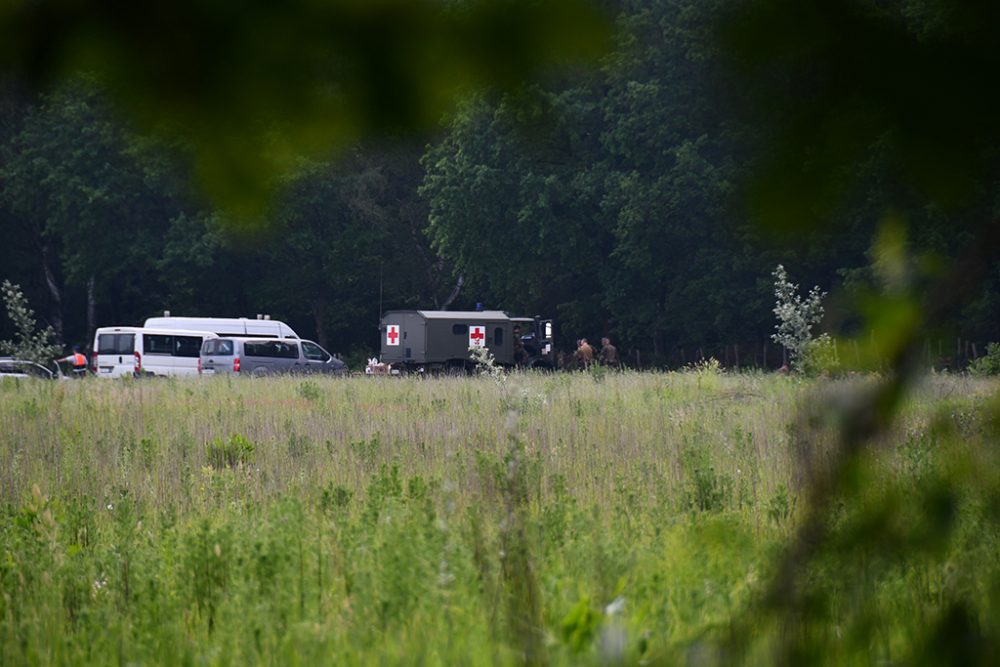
{"x": 567, "y": 519}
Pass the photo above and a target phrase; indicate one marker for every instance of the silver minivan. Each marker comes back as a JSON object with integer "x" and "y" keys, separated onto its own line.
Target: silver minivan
{"x": 266, "y": 356}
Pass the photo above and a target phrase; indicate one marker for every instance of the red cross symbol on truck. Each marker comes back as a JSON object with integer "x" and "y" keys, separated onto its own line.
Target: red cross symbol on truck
{"x": 477, "y": 336}
{"x": 392, "y": 334}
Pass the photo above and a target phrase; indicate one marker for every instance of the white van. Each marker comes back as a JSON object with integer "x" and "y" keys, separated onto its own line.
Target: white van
{"x": 141, "y": 351}
{"x": 225, "y": 326}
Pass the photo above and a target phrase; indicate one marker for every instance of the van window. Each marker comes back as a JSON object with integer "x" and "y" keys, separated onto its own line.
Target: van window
{"x": 286, "y": 350}
{"x": 157, "y": 344}
{"x": 314, "y": 352}
{"x": 256, "y": 350}
{"x": 460, "y": 329}
{"x": 272, "y": 349}
{"x": 498, "y": 336}
{"x": 217, "y": 348}
{"x": 116, "y": 343}
{"x": 187, "y": 346}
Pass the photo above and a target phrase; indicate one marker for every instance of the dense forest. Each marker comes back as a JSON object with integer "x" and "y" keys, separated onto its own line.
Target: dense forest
{"x": 611, "y": 198}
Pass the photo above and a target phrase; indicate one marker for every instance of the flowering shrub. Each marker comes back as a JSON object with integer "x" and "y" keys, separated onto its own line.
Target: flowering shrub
{"x": 796, "y": 317}
{"x": 28, "y": 343}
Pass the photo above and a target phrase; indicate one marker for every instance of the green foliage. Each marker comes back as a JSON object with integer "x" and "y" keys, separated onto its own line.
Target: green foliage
{"x": 359, "y": 70}
{"x": 708, "y": 490}
{"x": 819, "y": 356}
{"x": 631, "y": 539}
{"x": 580, "y": 625}
{"x": 989, "y": 363}
{"x": 606, "y": 198}
{"x": 780, "y": 506}
{"x": 30, "y": 343}
{"x": 796, "y": 318}
{"x": 310, "y": 391}
{"x": 228, "y": 452}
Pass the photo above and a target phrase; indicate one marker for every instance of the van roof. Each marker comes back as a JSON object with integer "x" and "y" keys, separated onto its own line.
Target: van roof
{"x": 223, "y": 325}
{"x": 454, "y": 314}
{"x": 262, "y": 339}
{"x": 155, "y": 330}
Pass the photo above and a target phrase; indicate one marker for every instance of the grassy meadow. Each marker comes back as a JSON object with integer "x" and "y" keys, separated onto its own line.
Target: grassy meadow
{"x": 631, "y": 518}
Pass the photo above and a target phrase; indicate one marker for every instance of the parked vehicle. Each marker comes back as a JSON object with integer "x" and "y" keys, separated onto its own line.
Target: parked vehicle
{"x": 225, "y": 326}
{"x": 141, "y": 351}
{"x": 21, "y": 368}
{"x": 266, "y": 356}
{"x": 435, "y": 340}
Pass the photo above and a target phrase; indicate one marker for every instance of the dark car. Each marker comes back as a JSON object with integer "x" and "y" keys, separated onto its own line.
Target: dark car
{"x": 266, "y": 356}
{"x": 20, "y": 368}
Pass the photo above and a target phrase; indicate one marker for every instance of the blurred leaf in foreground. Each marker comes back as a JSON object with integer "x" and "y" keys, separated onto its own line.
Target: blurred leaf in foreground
{"x": 251, "y": 85}
{"x": 832, "y": 80}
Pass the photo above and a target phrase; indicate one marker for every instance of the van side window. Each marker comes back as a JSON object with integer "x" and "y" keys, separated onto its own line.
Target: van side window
{"x": 286, "y": 350}
{"x": 157, "y": 344}
{"x": 272, "y": 349}
{"x": 498, "y": 336}
{"x": 314, "y": 352}
{"x": 187, "y": 346}
{"x": 256, "y": 350}
{"x": 460, "y": 329}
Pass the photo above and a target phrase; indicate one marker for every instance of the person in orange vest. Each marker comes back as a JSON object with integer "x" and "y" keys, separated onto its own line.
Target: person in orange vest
{"x": 79, "y": 361}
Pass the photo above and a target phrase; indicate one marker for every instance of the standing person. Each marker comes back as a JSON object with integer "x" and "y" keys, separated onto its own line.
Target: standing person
{"x": 609, "y": 353}
{"x": 78, "y": 360}
{"x": 520, "y": 355}
{"x": 585, "y": 353}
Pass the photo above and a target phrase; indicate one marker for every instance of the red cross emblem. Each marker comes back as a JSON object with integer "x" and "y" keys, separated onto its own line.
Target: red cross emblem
{"x": 477, "y": 336}
{"x": 392, "y": 334}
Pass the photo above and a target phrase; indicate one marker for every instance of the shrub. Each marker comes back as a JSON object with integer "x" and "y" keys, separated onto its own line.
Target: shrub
{"x": 820, "y": 356}
{"x": 29, "y": 343}
{"x": 796, "y": 316}
{"x": 226, "y": 453}
{"x": 308, "y": 390}
{"x": 988, "y": 364}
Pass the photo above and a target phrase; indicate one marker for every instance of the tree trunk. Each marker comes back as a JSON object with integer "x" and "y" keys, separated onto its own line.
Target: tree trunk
{"x": 55, "y": 315}
{"x": 91, "y": 308}
{"x": 454, "y": 293}
{"x": 319, "y": 309}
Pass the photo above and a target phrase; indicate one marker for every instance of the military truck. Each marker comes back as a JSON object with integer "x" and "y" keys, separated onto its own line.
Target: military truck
{"x": 439, "y": 340}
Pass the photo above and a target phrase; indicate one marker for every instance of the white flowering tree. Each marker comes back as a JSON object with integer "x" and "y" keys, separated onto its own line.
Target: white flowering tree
{"x": 796, "y": 317}
{"x": 29, "y": 343}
